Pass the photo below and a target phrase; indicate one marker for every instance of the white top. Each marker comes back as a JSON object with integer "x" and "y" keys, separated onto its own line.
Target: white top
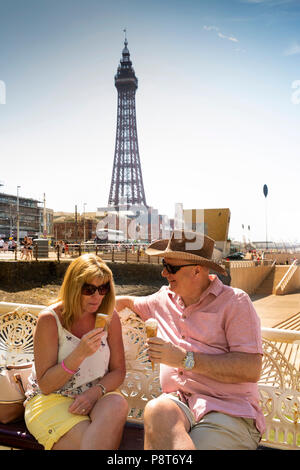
{"x": 91, "y": 369}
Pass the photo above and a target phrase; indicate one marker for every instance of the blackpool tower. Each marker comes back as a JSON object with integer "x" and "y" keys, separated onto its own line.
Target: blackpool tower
{"x": 127, "y": 181}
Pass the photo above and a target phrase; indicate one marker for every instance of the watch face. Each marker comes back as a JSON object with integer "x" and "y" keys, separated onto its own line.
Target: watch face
{"x": 189, "y": 360}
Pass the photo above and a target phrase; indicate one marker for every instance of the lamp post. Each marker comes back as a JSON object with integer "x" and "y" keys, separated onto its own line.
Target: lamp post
{"x": 265, "y": 191}
{"x": 44, "y": 218}
{"x": 84, "y": 204}
{"x": 18, "y": 218}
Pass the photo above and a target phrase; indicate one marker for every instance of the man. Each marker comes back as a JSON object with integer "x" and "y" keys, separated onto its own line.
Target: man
{"x": 209, "y": 349}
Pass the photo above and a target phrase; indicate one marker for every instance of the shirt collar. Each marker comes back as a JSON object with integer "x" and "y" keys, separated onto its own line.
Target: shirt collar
{"x": 216, "y": 286}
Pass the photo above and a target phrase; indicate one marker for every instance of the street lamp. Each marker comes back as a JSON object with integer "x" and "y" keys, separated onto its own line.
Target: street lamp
{"x": 265, "y": 191}
{"x": 18, "y": 217}
{"x": 84, "y": 204}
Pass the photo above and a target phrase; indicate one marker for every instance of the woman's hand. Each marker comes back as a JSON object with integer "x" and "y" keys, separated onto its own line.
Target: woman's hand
{"x": 90, "y": 343}
{"x": 84, "y": 403}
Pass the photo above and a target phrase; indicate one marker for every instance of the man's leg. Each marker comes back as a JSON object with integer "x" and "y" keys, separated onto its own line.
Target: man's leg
{"x": 218, "y": 431}
{"x": 166, "y": 426}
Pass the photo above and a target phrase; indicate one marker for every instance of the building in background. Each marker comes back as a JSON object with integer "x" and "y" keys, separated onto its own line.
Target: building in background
{"x": 134, "y": 224}
{"x": 32, "y": 216}
{"x": 212, "y": 222}
{"x": 74, "y": 228}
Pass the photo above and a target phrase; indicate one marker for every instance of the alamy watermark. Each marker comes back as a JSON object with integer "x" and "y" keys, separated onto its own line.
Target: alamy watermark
{"x": 141, "y": 222}
{"x": 2, "y": 92}
{"x": 295, "y": 99}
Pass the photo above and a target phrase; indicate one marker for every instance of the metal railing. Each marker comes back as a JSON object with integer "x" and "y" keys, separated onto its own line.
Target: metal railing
{"x": 248, "y": 263}
{"x": 126, "y": 253}
{"x": 287, "y": 277}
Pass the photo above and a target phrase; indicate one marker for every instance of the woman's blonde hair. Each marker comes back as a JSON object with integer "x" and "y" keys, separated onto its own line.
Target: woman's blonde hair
{"x": 83, "y": 270}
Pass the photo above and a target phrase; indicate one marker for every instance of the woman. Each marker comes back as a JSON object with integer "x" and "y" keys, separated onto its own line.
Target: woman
{"x": 24, "y": 250}
{"x": 72, "y": 402}
{"x": 29, "y": 248}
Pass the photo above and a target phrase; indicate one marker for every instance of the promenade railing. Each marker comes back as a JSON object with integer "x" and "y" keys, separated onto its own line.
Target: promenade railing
{"x": 126, "y": 253}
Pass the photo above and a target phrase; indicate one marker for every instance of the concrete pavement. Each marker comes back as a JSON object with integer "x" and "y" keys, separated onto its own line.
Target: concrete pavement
{"x": 276, "y": 309}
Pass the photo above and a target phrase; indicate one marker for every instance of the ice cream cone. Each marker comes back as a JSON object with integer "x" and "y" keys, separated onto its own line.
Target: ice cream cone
{"x": 151, "y": 331}
{"x": 101, "y": 319}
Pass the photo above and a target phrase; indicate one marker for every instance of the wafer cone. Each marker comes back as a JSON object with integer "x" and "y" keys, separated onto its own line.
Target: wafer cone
{"x": 101, "y": 319}
{"x": 151, "y": 331}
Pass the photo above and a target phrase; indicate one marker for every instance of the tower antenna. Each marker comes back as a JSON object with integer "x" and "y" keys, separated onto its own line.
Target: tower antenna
{"x": 125, "y": 39}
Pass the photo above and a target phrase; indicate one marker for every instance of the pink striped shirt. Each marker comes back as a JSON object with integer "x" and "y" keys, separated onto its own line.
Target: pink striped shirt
{"x": 223, "y": 320}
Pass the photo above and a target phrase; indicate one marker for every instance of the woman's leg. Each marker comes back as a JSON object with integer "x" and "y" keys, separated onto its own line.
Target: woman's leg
{"x": 108, "y": 418}
{"x": 72, "y": 439}
{"x": 103, "y": 432}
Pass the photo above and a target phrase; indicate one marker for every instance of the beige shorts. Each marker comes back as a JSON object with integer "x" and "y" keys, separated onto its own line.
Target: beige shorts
{"x": 219, "y": 431}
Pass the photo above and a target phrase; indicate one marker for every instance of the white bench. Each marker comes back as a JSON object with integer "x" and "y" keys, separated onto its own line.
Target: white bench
{"x": 279, "y": 385}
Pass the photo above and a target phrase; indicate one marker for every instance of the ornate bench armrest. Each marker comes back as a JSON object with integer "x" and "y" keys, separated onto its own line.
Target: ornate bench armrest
{"x": 16, "y": 336}
{"x": 281, "y": 409}
{"x": 141, "y": 383}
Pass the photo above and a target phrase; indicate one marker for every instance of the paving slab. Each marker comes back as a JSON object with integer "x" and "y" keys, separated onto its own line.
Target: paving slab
{"x": 274, "y": 309}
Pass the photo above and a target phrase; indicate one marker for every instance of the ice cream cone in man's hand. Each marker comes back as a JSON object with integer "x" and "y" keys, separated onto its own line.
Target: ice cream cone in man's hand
{"x": 151, "y": 331}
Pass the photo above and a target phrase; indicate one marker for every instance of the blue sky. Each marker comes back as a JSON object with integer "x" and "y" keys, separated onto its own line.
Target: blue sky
{"x": 217, "y": 113}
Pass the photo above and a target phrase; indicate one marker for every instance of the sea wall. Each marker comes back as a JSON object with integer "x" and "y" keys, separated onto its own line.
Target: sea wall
{"x": 246, "y": 275}
{"x": 24, "y": 273}
{"x": 282, "y": 258}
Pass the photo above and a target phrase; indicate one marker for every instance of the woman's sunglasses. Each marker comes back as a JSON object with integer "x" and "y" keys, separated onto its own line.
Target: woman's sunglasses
{"x": 90, "y": 289}
{"x": 173, "y": 269}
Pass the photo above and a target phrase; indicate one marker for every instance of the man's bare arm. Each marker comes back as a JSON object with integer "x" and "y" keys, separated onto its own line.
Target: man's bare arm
{"x": 231, "y": 367}
{"x": 125, "y": 301}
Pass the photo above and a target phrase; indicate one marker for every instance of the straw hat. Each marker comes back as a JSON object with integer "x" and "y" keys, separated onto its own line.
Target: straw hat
{"x": 187, "y": 246}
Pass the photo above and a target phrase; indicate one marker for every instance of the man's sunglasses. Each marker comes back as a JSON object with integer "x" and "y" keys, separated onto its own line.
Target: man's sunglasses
{"x": 173, "y": 269}
{"x": 90, "y": 289}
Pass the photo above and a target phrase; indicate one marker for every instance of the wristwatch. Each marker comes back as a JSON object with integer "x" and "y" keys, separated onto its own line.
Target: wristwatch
{"x": 189, "y": 361}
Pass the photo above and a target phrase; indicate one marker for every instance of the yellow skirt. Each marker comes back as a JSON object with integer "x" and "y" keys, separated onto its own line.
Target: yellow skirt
{"x": 47, "y": 418}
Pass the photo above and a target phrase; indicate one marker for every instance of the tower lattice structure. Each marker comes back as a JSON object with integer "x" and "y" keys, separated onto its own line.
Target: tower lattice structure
{"x": 127, "y": 181}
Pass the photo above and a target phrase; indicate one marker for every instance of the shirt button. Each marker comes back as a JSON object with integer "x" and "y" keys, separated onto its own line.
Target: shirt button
{"x": 184, "y": 316}
{"x": 183, "y": 337}
{"x": 181, "y": 373}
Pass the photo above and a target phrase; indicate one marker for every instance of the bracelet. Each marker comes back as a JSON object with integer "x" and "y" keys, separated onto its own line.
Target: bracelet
{"x": 102, "y": 388}
{"x": 72, "y": 372}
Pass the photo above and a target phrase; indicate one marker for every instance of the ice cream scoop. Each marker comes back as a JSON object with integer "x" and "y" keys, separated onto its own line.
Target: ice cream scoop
{"x": 101, "y": 319}
{"x": 151, "y": 331}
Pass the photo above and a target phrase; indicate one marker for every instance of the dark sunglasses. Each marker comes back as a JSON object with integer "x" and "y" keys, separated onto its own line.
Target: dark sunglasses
{"x": 90, "y": 289}
{"x": 173, "y": 269}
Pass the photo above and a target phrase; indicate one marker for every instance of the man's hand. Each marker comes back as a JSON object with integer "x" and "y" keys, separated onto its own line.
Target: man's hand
{"x": 165, "y": 352}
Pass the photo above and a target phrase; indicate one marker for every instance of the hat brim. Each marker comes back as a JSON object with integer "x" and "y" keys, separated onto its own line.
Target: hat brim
{"x": 159, "y": 248}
